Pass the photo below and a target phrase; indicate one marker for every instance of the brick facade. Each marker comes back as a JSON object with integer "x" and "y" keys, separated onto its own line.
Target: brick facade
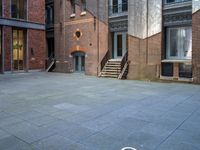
{"x": 196, "y": 46}
{"x": 145, "y": 57}
{"x": 35, "y": 40}
{"x": 36, "y": 11}
{"x": 93, "y": 30}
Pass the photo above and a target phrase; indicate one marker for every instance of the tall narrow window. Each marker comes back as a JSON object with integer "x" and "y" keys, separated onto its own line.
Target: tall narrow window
{"x": 19, "y": 9}
{"x": 73, "y": 6}
{"x": 0, "y": 7}
{"x": 83, "y": 6}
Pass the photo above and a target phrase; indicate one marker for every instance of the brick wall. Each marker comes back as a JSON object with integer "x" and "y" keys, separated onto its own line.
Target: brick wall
{"x": 145, "y": 57}
{"x": 6, "y": 10}
{"x": 7, "y": 48}
{"x": 36, "y": 38}
{"x": 36, "y": 42}
{"x": 36, "y": 11}
{"x": 196, "y": 46}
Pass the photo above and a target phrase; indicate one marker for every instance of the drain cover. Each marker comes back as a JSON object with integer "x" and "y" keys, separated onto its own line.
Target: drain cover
{"x": 128, "y": 148}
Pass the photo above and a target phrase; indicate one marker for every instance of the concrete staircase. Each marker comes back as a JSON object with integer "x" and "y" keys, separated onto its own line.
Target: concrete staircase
{"x": 112, "y": 69}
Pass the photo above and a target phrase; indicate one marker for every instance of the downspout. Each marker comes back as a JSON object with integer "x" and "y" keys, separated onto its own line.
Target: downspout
{"x": 98, "y": 37}
{"x": 147, "y": 46}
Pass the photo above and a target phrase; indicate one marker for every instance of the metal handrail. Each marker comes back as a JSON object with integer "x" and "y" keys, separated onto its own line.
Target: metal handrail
{"x": 105, "y": 59}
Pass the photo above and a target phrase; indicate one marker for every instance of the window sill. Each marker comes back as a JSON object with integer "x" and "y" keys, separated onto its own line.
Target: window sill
{"x": 181, "y": 79}
{"x": 72, "y": 15}
{"x": 83, "y": 13}
{"x": 176, "y": 61}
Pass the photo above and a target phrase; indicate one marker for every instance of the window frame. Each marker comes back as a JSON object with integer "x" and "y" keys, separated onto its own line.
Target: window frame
{"x": 83, "y": 6}
{"x": 19, "y": 10}
{"x": 180, "y": 53}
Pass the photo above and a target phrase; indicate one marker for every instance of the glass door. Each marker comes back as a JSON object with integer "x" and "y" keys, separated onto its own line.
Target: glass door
{"x": 79, "y": 62}
{"x": 18, "y": 50}
{"x": 120, "y": 44}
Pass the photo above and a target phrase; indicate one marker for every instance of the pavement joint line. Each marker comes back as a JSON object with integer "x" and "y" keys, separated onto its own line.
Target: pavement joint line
{"x": 156, "y": 148}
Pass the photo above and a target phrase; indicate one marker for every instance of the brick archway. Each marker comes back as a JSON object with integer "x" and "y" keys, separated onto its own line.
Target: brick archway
{"x": 77, "y": 49}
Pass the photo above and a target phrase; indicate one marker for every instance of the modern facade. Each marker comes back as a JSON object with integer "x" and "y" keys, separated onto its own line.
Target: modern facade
{"x": 140, "y": 39}
{"x": 22, "y": 35}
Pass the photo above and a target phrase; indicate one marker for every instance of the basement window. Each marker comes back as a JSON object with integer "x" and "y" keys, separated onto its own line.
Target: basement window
{"x": 185, "y": 70}
{"x": 167, "y": 69}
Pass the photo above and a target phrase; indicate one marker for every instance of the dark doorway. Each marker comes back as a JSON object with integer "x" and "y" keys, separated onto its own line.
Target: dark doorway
{"x": 50, "y": 44}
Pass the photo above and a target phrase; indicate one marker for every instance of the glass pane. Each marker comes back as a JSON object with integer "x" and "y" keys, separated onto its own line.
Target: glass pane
{"x": 185, "y": 70}
{"x": 19, "y": 9}
{"x": 119, "y": 45}
{"x": 174, "y": 42}
{"x": 14, "y": 9}
{"x": 0, "y": 7}
{"x": 82, "y": 63}
{"x": 21, "y": 50}
{"x": 187, "y": 43}
{"x": 76, "y": 63}
{"x": 167, "y": 69}
{"x": 15, "y": 50}
{"x": 18, "y": 50}
{"x": 115, "y": 6}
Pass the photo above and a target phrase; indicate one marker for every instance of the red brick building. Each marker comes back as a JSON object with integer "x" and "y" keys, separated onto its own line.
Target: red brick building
{"x": 135, "y": 39}
{"x": 80, "y": 35}
{"x": 22, "y": 33}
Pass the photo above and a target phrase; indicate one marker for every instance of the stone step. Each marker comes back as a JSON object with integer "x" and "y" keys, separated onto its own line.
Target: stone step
{"x": 110, "y": 73}
{"x": 112, "y": 65}
{"x": 109, "y": 76}
{"x": 111, "y": 62}
{"x": 111, "y": 70}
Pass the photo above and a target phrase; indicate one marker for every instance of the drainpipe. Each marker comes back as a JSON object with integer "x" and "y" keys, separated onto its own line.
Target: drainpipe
{"x": 97, "y": 37}
{"x": 147, "y": 46}
{"x": 2, "y": 50}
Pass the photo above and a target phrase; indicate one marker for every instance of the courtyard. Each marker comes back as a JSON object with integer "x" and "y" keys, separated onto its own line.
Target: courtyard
{"x": 53, "y": 111}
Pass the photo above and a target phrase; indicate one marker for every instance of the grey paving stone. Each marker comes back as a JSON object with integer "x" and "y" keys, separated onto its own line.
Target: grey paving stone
{"x": 19, "y": 127}
{"x": 3, "y": 134}
{"x": 181, "y": 139}
{"x": 133, "y": 124}
{"x": 101, "y": 142}
{"x": 4, "y": 115}
{"x": 30, "y": 136}
{"x": 57, "y": 142}
{"x": 12, "y": 143}
{"x": 117, "y": 132}
{"x": 43, "y": 120}
{"x": 77, "y": 133}
{"x": 143, "y": 141}
{"x": 9, "y": 121}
